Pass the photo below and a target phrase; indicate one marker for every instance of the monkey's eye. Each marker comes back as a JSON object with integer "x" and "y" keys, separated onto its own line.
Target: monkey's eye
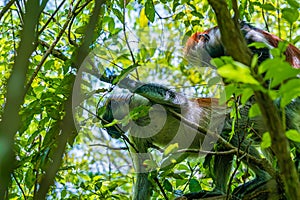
{"x": 204, "y": 37}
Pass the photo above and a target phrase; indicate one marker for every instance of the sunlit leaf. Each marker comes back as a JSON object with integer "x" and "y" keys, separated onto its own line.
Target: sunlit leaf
{"x": 293, "y": 135}
{"x": 247, "y": 93}
{"x": 277, "y": 71}
{"x": 293, "y": 3}
{"x": 290, "y": 14}
{"x": 254, "y": 111}
{"x": 289, "y": 91}
{"x": 143, "y": 18}
{"x": 266, "y": 141}
{"x": 237, "y": 73}
{"x": 171, "y": 149}
{"x": 124, "y": 73}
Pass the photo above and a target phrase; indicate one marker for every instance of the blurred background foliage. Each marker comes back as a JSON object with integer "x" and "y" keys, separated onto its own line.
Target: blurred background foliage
{"x": 95, "y": 166}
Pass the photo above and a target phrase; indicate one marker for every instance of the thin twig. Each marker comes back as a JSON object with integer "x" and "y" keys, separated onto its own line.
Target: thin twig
{"x": 109, "y": 147}
{"x": 51, "y": 17}
{"x": 278, "y": 17}
{"x": 75, "y": 13}
{"x": 19, "y": 185}
{"x": 124, "y": 137}
{"x": 160, "y": 188}
{"x": 48, "y": 52}
{"x": 13, "y": 34}
{"x": 6, "y": 8}
{"x": 20, "y": 11}
{"x": 127, "y": 43}
{"x": 264, "y": 17}
{"x": 190, "y": 176}
{"x": 231, "y": 151}
{"x": 56, "y": 53}
{"x": 37, "y": 166}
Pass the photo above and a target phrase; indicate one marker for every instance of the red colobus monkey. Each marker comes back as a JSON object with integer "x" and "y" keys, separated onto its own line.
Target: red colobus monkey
{"x": 199, "y": 47}
{"x": 203, "y": 45}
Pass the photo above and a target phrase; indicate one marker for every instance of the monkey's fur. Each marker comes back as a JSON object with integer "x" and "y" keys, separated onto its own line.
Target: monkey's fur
{"x": 192, "y": 124}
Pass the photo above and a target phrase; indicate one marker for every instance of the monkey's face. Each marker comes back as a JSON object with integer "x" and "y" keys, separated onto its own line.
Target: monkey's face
{"x": 202, "y": 46}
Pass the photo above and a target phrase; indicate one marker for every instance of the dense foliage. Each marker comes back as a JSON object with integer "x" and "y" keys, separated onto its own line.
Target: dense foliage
{"x": 47, "y": 46}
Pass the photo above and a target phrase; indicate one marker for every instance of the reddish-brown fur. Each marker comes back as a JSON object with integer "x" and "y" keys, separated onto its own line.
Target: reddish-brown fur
{"x": 292, "y": 53}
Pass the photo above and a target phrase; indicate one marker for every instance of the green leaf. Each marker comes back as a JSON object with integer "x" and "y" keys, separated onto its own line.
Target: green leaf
{"x": 180, "y": 182}
{"x": 247, "y": 93}
{"x": 258, "y": 45}
{"x": 254, "y": 111}
{"x": 111, "y": 25}
{"x": 168, "y": 186}
{"x": 293, "y": 3}
{"x": 230, "y": 89}
{"x": 266, "y": 141}
{"x": 175, "y": 4}
{"x": 29, "y": 178}
{"x": 293, "y": 135}
{"x": 290, "y": 14}
{"x": 197, "y": 14}
{"x": 150, "y": 164}
{"x": 143, "y": 20}
{"x": 170, "y": 149}
{"x": 112, "y": 186}
{"x": 216, "y": 80}
{"x": 218, "y": 62}
{"x": 183, "y": 167}
{"x": 277, "y": 70}
{"x": 124, "y": 73}
{"x": 111, "y": 123}
{"x": 118, "y": 14}
{"x": 51, "y": 135}
{"x": 289, "y": 91}
{"x": 237, "y": 73}
{"x": 48, "y": 65}
{"x": 140, "y": 111}
{"x": 149, "y": 10}
{"x": 268, "y": 6}
{"x": 81, "y": 29}
{"x": 179, "y": 16}
{"x": 194, "y": 185}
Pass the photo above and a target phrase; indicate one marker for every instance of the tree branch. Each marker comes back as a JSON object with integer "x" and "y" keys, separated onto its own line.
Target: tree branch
{"x": 15, "y": 94}
{"x": 54, "y": 52}
{"x": 67, "y": 125}
{"x": 48, "y": 52}
{"x": 230, "y": 32}
{"x": 6, "y": 7}
{"x": 239, "y": 51}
